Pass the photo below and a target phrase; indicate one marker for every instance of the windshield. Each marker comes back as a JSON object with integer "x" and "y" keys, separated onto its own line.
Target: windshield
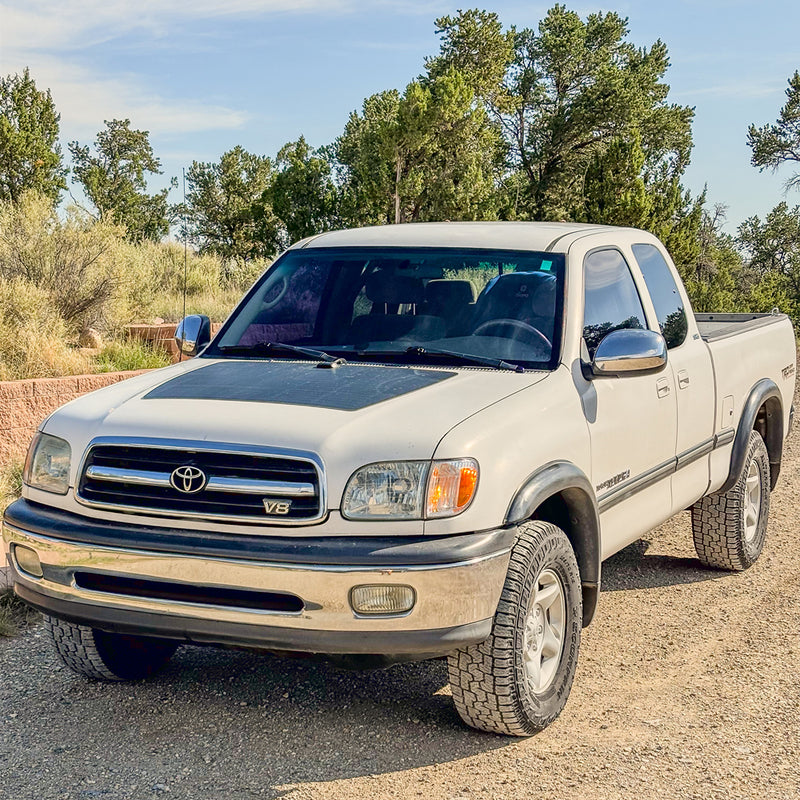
{"x": 404, "y": 305}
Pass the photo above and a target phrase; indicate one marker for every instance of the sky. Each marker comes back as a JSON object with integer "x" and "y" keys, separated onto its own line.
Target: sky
{"x": 205, "y": 75}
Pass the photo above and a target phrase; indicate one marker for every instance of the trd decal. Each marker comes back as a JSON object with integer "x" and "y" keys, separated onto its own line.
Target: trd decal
{"x": 616, "y": 480}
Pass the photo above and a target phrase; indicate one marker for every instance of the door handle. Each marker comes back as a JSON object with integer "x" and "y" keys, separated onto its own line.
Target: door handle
{"x": 662, "y": 387}
{"x": 683, "y": 379}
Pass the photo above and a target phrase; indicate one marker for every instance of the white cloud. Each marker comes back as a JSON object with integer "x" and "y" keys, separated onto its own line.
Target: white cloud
{"x": 75, "y": 24}
{"x": 85, "y": 100}
{"x": 56, "y": 41}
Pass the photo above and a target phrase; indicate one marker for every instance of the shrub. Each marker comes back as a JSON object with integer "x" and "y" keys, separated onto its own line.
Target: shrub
{"x": 34, "y": 338}
{"x": 64, "y": 258}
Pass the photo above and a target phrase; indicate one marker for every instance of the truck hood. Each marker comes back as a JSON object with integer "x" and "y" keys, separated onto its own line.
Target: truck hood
{"x": 350, "y": 415}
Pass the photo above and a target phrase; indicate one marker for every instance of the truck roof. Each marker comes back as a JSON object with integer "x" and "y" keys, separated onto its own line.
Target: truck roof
{"x": 538, "y": 236}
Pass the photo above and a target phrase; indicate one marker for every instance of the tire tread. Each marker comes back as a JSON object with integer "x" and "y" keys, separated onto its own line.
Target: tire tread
{"x": 483, "y": 677}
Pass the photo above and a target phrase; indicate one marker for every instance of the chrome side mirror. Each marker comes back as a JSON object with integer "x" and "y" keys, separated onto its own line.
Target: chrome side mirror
{"x": 628, "y": 351}
{"x": 193, "y": 334}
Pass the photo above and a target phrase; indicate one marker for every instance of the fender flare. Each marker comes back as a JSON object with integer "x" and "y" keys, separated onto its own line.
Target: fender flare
{"x": 564, "y": 478}
{"x": 765, "y": 391}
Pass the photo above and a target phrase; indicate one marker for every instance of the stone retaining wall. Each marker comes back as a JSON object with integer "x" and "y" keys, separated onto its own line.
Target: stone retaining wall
{"x": 24, "y": 404}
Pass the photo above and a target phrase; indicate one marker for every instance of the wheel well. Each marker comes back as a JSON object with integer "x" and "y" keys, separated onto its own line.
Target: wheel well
{"x": 559, "y": 492}
{"x": 567, "y": 509}
{"x": 769, "y": 424}
{"x": 763, "y": 412}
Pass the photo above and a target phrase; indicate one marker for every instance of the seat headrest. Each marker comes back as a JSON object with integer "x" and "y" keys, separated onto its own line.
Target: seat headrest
{"x": 382, "y": 288}
{"x": 517, "y": 293}
{"x": 444, "y": 293}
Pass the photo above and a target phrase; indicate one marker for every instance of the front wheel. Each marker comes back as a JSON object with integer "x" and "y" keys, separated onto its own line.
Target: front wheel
{"x": 108, "y": 656}
{"x": 517, "y": 681}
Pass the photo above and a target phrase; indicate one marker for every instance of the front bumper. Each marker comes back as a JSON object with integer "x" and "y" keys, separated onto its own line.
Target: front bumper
{"x": 457, "y": 581}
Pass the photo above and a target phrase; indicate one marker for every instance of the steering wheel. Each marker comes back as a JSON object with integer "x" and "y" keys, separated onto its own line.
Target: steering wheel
{"x": 282, "y": 285}
{"x": 524, "y": 327}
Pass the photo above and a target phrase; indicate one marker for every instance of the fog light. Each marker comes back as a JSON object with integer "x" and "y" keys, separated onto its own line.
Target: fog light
{"x": 382, "y": 599}
{"x": 28, "y": 560}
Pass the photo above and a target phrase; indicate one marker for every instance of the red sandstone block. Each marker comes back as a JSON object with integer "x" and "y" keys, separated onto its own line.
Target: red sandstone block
{"x": 88, "y": 383}
{"x": 28, "y": 411}
{"x": 14, "y": 444}
{"x": 55, "y": 386}
{"x": 9, "y": 389}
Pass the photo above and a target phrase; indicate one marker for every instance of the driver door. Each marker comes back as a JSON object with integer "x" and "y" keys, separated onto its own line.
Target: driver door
{"x": 632, "y": 420}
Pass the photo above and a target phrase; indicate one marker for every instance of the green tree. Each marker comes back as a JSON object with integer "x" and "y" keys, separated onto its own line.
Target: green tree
{"x": 772, "y": 249}
{"x": 30, "y": 157}
{"x": 431, "y": 153}
{"x": 113, "y": 178}
{"x": 566, "y": 95}
{"x": 620, "y": 188}
{"x": 302, "y": 193}
{"x": 715, "y": 278}
{"x": 226, "y": 212}
{"x": 779, "y": 143}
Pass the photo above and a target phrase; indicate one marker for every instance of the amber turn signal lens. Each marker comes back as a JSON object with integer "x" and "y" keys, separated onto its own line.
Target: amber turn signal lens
{"x": 451, "y": 486}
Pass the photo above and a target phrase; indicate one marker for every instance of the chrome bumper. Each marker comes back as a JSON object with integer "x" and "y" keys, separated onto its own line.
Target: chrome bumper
{"x": 449, "y": 596}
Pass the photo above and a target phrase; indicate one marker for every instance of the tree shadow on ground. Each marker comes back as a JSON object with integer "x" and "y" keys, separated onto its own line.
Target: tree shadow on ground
{"x": 634, "y": 568}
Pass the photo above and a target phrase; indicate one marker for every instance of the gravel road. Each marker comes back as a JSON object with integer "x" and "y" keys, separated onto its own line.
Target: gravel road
{"x": 688, "y": 686}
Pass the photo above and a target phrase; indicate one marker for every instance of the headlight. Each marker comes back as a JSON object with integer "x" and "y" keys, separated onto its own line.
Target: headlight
{"x": 47, "y": 464}
{"x": 389, "y": 490}
{"x": 393, "y": 490}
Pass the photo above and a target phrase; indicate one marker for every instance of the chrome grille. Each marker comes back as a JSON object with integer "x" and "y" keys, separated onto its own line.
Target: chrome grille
{"x": 242, "y": 484}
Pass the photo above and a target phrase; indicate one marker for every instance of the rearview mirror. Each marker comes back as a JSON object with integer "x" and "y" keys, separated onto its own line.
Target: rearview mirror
{"x": 193, "y": 334}
{"x": 629, "y": 351}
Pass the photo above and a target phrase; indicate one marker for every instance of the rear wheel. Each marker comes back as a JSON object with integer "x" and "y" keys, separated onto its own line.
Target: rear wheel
{"x": 730, "y": 529}
{"x": 108, "y": 656}
{"x": 518, "y": 680}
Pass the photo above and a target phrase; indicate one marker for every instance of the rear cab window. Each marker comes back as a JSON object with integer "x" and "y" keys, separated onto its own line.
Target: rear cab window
{"x": 664, "y": 293}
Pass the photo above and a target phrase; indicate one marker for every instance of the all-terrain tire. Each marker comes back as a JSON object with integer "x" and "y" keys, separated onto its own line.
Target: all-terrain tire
{"x": 730, "y": 528}
{"x": 108, "y": 656}
{"x": 495, "y": 684}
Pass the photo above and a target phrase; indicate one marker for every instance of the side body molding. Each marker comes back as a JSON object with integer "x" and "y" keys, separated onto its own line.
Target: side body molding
{"x": 764, "y": 393}
{"x": 579, "y": 517}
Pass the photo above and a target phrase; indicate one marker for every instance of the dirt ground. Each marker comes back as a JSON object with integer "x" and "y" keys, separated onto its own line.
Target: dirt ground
{"x": 688, "y": 686}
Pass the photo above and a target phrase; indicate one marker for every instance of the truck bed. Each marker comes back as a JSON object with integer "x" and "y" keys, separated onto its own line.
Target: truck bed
{"x": 713, "y": 327}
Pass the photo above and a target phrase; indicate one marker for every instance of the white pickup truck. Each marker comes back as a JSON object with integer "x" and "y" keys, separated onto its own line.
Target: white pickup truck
{"x": 407, "y": 442}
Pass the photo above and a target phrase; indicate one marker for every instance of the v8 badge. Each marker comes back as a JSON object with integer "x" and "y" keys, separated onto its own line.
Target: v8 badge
{"x": 277, "y": 506}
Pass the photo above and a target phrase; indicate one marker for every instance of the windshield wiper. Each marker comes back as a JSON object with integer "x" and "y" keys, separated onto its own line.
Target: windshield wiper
{"x": 464, "y": 358}
{"x": 270, "y": 348}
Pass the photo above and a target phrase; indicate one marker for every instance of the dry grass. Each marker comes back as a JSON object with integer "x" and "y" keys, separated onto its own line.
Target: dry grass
{"x": 15, "y": 616}
{"x": 10, "y": 483}
{"x": 60, "y": 276}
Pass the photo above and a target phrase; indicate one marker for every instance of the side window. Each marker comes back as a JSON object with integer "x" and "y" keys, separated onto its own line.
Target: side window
{"x": 611, "y": 299}
{"x": 664, "y": 293}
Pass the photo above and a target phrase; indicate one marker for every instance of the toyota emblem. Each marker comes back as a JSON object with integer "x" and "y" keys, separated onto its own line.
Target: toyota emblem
{"x": 188, "y": 479}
